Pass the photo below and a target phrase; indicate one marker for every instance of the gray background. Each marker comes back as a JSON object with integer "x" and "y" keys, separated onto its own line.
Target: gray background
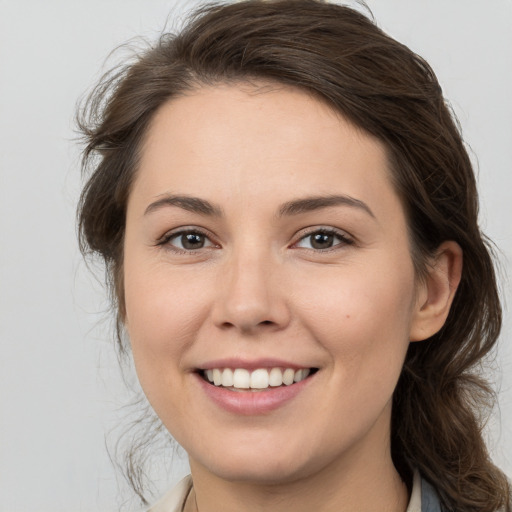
{"x": 60, "y": 387}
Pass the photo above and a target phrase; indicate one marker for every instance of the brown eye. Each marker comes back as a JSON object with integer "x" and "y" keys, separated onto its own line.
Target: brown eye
{"x": 192, "y": 241}
{"x": 323, "y": 239}
{"x": 188, "y": 240}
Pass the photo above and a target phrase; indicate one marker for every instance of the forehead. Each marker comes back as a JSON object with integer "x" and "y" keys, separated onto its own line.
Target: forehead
{"x": 241, "y": 141}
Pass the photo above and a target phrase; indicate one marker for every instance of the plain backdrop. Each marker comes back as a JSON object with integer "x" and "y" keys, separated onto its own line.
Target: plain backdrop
{"x": 60, "y": 387}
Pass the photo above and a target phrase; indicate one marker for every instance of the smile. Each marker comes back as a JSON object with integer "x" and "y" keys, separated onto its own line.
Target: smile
{"x": 253, "y": 388}
{"x": 259, "y": 379}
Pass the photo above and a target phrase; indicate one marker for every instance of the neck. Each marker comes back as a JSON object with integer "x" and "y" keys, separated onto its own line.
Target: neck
{"x": 337, "y": 488}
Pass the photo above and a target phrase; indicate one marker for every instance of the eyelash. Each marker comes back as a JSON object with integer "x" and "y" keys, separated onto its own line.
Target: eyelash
{"x": 335, "y": 233}
{"x": 166, "y": 239}
{"x": 340, "y": 235}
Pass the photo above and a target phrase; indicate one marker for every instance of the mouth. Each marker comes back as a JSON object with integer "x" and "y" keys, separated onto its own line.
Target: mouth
{"x": 260, "y": 379}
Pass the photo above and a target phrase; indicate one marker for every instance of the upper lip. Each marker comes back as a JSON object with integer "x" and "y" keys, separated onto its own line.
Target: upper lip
{"x": 251, "y": 364}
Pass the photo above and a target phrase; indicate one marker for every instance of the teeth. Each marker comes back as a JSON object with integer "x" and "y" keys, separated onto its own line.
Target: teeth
{"x": 288, "y": 376}
{"x": 300, "y": 374}
{"x": 227, "y": 378}
{"x": 259, "y": 379}
{"x": 241, "y": 379}
{"x": 262, "y": 378}
{"x": 275, "y": 377}
{"x": 217, "y": 377}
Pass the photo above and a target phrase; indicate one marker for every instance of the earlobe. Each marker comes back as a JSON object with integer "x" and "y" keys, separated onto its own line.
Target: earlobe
{"x": 436, "y": 292}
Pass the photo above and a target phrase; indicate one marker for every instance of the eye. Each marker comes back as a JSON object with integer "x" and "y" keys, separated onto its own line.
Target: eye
{"x": 190, "y": 240}
{"x": 323, "y": 239}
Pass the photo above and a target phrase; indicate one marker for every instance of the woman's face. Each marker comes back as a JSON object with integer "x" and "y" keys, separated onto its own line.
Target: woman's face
{"x": 264, "y": 240}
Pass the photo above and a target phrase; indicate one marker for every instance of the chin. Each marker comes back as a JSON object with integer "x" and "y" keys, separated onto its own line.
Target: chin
{"x": 272, "y": 462}
{"x": 265, "y": 472}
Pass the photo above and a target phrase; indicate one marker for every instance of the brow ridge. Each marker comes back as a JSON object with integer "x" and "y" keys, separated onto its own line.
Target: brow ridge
{"x": 191, "y": 204}
{"x": 308, "y": 204}
{"x": 294, "y": 207}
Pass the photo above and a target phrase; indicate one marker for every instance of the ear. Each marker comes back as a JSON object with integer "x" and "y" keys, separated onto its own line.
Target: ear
{"x": 436, "y": 291}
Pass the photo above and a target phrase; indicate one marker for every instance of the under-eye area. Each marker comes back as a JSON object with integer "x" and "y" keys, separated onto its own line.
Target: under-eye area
{"x": 259, "y": 379}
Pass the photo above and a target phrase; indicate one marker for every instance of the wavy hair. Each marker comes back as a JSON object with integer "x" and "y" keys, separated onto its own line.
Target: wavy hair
{"x": 382, "y": 87}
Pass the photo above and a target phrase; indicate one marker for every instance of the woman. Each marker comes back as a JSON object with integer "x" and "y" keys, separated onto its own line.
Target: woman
{"x": 288, "y": 217}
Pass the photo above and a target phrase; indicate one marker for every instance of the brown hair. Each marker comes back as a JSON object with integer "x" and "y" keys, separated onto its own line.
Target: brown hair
{"x": 339, "y": 55}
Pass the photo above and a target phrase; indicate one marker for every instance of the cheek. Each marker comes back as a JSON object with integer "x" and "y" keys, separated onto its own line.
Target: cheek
{"x": 363, "y": 317}
{"x": 163, "y": 310}
{"x": 160, "y": 315}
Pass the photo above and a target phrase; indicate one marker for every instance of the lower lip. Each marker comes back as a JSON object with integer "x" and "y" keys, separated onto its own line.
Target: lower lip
{"x": 252, "y": 402}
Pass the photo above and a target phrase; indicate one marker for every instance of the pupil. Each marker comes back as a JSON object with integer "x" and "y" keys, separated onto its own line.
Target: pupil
{"x": 192, "y": 241}
{"x": 322, "y": 240}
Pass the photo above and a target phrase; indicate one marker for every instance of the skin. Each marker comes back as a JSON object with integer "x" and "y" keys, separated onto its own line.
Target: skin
{"x": 258, "y": 288}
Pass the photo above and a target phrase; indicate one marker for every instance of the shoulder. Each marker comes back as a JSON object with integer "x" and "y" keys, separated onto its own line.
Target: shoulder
{"x": 174, "y": 500}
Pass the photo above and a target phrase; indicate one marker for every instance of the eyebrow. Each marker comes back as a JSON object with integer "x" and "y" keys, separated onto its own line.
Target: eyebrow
{"x": 295, "y": 207}
{"x": 309, "y": 204}
{"x": 191, "y": 204}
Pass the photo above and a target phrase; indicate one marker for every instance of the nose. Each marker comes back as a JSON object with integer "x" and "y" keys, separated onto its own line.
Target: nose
{"x": 251, "y": 296}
